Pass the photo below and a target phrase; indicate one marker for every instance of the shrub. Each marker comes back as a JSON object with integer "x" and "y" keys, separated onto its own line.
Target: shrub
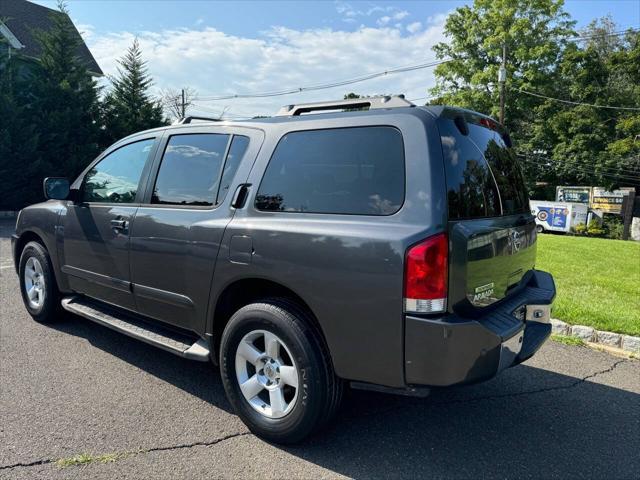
{"x": 580, "y": 229}
{"x": 613, "y": 226}
{"x": 595, "y": 229}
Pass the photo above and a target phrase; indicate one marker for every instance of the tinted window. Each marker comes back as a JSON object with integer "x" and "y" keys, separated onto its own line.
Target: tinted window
{"x": 236, "y": 151}
{"x": 349, "y": 170}
{"x": 472, "y": 192}
{"x": 505, "y": 168}
{"x": 190, "y": 170}
{"x": 116, "y": 177}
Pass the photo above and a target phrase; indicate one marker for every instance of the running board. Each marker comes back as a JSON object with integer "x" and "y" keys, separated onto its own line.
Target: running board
{"x": 411, "y": 391}
{"x": 151, "y": 333}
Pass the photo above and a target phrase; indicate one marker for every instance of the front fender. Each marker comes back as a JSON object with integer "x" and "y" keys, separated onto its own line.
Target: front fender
{"x": 42, "y": 220}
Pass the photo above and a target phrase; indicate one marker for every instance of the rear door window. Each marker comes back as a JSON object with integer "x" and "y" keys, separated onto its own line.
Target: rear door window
{"x": 358, "y": 170}
{"x": 189, "y": 174}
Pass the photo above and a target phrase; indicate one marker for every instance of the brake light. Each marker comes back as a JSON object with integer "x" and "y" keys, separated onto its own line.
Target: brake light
{"x": 426, "y": 276}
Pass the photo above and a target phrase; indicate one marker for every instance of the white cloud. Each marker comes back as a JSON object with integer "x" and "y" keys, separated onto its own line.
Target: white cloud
{"x": 400, "y": 15}
{"x": 414, "y": 27}
{"x": 438, "y": 18}
{"x": 86, "y": 30}
{"x": 349, "y": 12}
{"x": 216, "y": 63}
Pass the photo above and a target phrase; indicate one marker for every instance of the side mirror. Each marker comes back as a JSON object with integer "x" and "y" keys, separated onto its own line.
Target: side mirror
{"x": 56, "y": 188}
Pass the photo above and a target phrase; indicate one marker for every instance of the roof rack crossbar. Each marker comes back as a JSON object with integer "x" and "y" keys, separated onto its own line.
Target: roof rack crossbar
{"x": 370, "y": 102}
{"x": 188, "y": 119}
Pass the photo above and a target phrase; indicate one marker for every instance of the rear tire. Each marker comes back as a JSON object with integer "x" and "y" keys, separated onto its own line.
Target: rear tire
{"x": 37, "y": 283}
{"x": 300, "y": 367}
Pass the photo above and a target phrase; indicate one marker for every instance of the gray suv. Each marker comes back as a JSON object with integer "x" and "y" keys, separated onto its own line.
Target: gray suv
{"x": 367, "y": 243}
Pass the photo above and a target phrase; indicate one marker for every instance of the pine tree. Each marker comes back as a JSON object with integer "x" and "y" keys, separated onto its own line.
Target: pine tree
{"x": 18, "y": 138}
{"x": 58, "y": 99}
{"x": 128, "y": 107}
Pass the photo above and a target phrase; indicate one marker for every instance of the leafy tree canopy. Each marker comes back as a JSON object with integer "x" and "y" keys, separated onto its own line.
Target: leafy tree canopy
{"x": 559, "y": 143}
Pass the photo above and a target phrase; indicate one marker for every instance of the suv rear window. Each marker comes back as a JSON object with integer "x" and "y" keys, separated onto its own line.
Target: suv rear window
{"x": 358, "y": 170}
{"x": 483, "y": 176}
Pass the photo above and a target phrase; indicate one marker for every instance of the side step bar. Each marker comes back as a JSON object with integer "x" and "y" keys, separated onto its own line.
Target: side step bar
{"x": 153, "y": 334}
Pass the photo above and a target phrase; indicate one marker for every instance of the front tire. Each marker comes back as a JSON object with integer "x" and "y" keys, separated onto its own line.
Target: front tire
{"x": 539, "y": 229}
{"x": 38, "y": 284}
{"x": 277, "y": 372}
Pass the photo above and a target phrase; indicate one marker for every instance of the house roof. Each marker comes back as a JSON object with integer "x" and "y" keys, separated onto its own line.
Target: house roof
{"x": 21, "y": 18}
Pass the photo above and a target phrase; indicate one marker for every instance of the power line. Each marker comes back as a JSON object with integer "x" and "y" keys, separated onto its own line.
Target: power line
{"x": 340, "y": 83}
{"x": 620, "y": 178}
{"x": 547, "y": 162}
{"x": 600, "y": 35}
{"x": 580, "y": 164}
{"x": 577, "y": 103}
{"x": 362, "y": 78}
{"x": 218, "y": 111}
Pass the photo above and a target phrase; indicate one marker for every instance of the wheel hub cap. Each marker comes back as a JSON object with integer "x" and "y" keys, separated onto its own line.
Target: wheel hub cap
{"x": 267, "y": 374}
{"x": 34, "y": 283}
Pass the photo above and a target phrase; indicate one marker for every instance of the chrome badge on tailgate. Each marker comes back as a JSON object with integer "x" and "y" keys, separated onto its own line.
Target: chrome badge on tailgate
{"x": 483, "y": 294}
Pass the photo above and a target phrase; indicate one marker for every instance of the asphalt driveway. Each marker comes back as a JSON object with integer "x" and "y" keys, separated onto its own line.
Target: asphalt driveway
{"x": 75, "y": 387}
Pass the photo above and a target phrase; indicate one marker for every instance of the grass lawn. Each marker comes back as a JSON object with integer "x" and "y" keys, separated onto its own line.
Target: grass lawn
{"x": 598, "y": 281}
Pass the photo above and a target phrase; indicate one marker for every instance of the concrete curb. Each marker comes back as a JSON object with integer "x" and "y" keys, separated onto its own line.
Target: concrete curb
{"x": 627, "y": 343}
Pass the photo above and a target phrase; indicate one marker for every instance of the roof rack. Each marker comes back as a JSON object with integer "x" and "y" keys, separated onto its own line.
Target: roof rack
{"x": 370, "y": 103}
{"x": 188, "y": 119}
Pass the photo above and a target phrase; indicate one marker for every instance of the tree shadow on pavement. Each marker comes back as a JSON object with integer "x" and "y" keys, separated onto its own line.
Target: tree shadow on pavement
{"x": 528, "y": 422}
{"x": 7, "y": 227}
{"x": 197, "y": 378}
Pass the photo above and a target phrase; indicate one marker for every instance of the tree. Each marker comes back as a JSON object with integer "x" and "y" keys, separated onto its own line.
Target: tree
{"x": 588, "y": 145}
{"x": 534, "y": 33}
{"x": 172, "y": 101}
{"x": 60, "y": 100}
{"x": 18, "y": 138}
{"x": 128, "y": 106}
{"x": 559, "y": 143}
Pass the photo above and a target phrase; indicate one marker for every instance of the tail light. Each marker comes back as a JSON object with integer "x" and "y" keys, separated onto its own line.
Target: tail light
{"x": 425, "y": 276}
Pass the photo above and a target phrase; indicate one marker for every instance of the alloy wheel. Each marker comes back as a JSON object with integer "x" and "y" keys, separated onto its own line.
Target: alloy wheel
{"x": 267, "y": 374}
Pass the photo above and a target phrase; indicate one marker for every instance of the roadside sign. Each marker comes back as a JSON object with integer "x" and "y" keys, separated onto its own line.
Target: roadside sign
{"x": 573, "y": 194}
{"x": 609, "y": 202}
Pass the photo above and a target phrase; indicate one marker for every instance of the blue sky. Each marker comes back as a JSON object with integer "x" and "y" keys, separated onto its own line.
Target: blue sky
{"x": 235, "y": 47}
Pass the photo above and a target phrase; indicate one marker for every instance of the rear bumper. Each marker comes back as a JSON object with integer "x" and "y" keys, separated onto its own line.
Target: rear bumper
{"x": 453, "y": 350}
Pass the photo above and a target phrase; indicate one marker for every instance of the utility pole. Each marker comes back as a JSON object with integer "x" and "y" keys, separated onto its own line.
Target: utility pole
{"x": 183, "y": 105}
{"x": 502, "y": 79}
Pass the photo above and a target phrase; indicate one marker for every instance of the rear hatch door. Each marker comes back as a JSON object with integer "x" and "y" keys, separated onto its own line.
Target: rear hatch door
{"x": 491, "y": 229}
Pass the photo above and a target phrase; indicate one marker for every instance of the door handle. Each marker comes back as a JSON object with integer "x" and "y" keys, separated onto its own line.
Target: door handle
{"x": 119, "y": 224}
{"x": 240, "y": 197}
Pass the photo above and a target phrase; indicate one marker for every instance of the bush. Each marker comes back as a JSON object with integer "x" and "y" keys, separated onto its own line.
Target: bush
{"x": 580, "y": 229}
{"x": 613, "y": 226}
{"x": 595, "y": 229}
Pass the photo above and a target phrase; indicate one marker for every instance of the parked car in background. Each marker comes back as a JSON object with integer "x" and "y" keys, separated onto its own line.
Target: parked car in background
{"x": 391, "y": 249}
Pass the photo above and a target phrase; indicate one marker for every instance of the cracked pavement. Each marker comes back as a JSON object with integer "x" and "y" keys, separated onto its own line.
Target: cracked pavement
{"x": 76, "y": 387}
